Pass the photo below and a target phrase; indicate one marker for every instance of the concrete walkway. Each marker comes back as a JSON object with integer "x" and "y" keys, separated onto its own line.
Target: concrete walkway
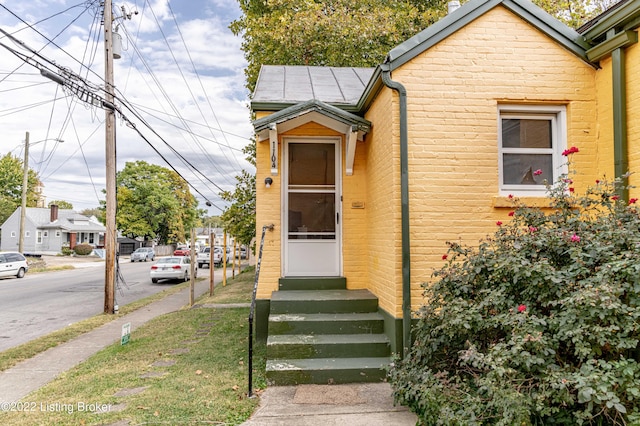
{"x": 359, "y": 404}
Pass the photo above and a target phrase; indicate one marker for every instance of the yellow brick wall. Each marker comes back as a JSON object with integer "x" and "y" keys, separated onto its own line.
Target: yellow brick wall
{"x": 605, "y": 147}
{"x": 268, "y": 211}
{"x": 454, "y": 90}
{"x": 383, "y": 203}
{"x": 633, "y": 116}
{"x": 604, "y": 127}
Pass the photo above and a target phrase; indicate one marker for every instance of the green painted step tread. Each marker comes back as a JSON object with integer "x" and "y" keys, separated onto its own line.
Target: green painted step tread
{"x": 321, "y": 295}
{"x": 327, "y": 364}
{"x": 353, "y": 316}
{"x": 297, "y": 339}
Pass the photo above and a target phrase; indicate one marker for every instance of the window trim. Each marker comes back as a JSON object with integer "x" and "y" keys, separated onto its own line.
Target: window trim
{"x": 558, "y": 117}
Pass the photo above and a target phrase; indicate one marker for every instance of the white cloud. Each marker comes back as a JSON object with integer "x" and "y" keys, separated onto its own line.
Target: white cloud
{"x": 74, "y": 171}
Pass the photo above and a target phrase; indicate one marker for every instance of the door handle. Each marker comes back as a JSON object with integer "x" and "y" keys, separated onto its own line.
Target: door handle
{"x": 337, "y": 218}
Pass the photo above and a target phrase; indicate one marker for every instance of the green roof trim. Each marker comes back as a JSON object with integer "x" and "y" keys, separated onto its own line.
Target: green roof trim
{"x": 471, "y": 11}
{"x": 620, "y": 40}
{"x": 313, "y": 105}
{"x": 622, "y": 16}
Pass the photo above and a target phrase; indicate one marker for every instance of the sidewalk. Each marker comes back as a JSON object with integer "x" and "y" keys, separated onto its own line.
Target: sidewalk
{"x": 30, "y": 375}
{"x": 359, "y": 404}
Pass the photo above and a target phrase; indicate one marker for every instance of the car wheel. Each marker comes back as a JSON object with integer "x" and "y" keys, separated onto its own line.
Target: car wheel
{"x": 186, "y": 277}
{"x": 21, "y": 273}
{"x": 154, "y": 280}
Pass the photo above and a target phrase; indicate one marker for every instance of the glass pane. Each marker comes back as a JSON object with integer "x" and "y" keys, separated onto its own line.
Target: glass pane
{"x": 312, "y": 213}
{"x": 524, "y": 169}
{"x": 519, "y": 133}
{"x": 312, "y": 164}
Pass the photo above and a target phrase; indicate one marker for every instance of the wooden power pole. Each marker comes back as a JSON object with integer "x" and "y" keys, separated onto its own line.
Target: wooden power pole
{"x": 110, "y": 160}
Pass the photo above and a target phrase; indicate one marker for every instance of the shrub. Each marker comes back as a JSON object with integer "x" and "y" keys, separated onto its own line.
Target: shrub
{"x": 83, "y": 249}
{"x": 66, "y": 251}
{"x": 537, "y": 325}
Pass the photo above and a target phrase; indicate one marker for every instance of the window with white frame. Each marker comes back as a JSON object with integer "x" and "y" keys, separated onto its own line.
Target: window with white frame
{"x": 57, "y": 234}
{"x": 531, "y": 141}
{"x": 27, "y": 234}
{"x": 45, "y": 234}
{"x": 39, "y": 237}
{"x": 13, "y": 234}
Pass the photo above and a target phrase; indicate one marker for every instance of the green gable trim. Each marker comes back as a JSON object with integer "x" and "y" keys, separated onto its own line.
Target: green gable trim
{"x": 313, "y": 105}
{"x": 278, "y": 106}
{"x": 604, "y": 49}
{"x": 623, "y": 17}
{"x": 474, "y": 9}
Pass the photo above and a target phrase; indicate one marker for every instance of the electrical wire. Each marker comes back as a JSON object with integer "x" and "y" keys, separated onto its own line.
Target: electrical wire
{"x": 33, "y": 62}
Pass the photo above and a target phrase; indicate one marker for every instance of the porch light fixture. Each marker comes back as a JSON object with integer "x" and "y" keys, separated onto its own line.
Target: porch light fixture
{"x": 268, "y": 181}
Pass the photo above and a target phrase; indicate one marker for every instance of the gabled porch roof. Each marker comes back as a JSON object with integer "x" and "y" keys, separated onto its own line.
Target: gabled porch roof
{"x": 312, "y": 110}
{"x": 352, "y": 126}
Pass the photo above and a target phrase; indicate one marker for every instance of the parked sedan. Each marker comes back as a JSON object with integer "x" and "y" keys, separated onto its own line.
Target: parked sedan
{"x": 13, "y": 264}
{"x": 143, "y": 254}
{"x": 172, "y": 268}
{"x": 182, "y": 251}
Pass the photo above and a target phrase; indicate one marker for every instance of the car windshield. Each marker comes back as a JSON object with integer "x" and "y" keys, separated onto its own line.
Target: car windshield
{"x": 169, "y": 260}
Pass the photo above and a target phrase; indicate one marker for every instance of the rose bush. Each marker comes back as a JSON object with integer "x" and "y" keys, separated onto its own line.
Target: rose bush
{"x": 539, "y": 324}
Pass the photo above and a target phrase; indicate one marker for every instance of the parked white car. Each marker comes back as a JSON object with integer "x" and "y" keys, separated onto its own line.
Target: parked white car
{"x": 172, "y": 268}
{"x": 142, "y": 254}
{"x": 13, "y": 264}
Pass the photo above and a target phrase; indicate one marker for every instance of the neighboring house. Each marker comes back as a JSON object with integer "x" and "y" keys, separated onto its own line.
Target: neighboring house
{"x": 48, "y": 230}
{"x": 367, "y": 173}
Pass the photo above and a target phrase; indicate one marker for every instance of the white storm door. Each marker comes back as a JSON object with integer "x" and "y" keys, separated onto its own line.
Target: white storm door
{"x": 312, "y": 207}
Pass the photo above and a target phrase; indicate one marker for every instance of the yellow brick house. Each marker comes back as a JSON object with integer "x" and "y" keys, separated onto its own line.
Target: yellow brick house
{"x": 367, "y": 173}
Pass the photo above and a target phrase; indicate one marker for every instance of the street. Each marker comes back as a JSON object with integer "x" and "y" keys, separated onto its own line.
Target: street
{"x": 41, "y": 303}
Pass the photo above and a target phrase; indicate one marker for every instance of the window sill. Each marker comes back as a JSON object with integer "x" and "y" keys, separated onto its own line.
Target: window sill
{"x": 500, "y": 202}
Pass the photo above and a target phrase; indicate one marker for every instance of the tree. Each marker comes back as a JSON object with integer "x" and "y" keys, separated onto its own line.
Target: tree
{"x": 575, "y": 13}
{"x": 61, "y": 204}
{"x": 354, "y": 33}
{"x": 11, "y": 176}
{"x": 154, "y": 203}
{"x": 330, "y": 32}
{"x": 98, "y": 212}
{"x": 240, "y": 218}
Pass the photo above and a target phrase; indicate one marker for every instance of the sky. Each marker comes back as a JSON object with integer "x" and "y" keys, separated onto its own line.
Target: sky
{"x": 181, "y": 70}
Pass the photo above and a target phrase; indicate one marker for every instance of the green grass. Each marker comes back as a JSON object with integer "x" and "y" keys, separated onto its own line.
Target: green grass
{"x": 207, "y": 385}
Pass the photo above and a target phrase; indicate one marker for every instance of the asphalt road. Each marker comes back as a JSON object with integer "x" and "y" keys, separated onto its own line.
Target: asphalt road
{"x": 41, "y": 303}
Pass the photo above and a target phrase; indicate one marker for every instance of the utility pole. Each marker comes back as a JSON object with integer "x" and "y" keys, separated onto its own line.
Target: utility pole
{"x": 25, "y": 182}
{"x": 110, "y": 160}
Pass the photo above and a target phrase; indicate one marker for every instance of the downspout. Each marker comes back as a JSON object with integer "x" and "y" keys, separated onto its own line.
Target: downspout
{"x": 404, "y": 199}
{"x": 621, "y": 161}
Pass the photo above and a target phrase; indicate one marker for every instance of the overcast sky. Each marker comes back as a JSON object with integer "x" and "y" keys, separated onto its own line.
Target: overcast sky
{"x": 181, "y": 69}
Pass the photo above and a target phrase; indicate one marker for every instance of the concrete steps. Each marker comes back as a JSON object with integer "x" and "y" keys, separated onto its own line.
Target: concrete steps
{"x": 325, "y": 335}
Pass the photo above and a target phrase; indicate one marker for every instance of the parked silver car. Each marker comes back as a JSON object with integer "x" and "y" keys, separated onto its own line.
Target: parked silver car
{"x": 13, "y": 264}
{"x": 172, "y": 268}
{"x": 143, "y": 254}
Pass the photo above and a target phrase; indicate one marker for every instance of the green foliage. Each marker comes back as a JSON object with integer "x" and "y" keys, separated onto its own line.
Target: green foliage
{"x": 154, "y": 203}
{"x": 325, "y": 33}
{"x": 239, "y": 219}
{"x": 83, "y": 249}
{"x": 539, "y": 324}
{"x": 66, "y": 251}
{"x": 11, "y": 176}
